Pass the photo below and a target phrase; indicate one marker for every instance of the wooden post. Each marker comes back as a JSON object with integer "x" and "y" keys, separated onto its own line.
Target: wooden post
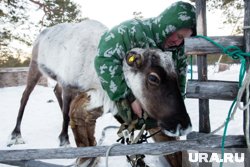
{"x": 247, "y": 49}
{"x": 204, "y": 121}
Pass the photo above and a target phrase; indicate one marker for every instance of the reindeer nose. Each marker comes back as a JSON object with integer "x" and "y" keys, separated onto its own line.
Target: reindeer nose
{"x": 178, "y": 131}
{"x": 134, "y": 59}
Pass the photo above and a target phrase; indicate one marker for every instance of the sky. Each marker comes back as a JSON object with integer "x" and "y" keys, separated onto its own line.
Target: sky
{"x": 113, "y": 12}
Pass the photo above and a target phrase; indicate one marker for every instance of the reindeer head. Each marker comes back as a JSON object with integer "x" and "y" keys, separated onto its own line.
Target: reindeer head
{"x": 151, "y": 76}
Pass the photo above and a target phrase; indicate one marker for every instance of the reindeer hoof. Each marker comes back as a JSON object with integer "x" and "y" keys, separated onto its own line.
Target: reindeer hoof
{"x": 64, "y": 142}
{"x": 15, "y": 140}
{"x": 81, "y": 162}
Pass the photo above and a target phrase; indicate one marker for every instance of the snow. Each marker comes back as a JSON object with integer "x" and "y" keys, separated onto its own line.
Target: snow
{"x": 42, "y": 120}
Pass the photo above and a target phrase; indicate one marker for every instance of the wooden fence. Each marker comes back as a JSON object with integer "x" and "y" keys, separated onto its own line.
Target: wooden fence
{"x": 203, "y": 89}
{"x": 16, "y": 76}
{"x": 195, "y": 141}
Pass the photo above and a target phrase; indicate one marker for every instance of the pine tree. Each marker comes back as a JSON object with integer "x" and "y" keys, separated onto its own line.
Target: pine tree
{"x": 22, "y": 20}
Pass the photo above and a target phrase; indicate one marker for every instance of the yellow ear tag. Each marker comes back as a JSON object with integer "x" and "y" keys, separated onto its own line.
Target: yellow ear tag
{"x": 131, "y": 59}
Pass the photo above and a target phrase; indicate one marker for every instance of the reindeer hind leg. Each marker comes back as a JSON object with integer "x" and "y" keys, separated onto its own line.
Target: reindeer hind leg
{"x": 58, "y": 94}
{"x": 33, "y": 77}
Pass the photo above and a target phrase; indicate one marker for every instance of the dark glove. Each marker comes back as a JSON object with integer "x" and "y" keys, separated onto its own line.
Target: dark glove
{"x": 124, "y": 111}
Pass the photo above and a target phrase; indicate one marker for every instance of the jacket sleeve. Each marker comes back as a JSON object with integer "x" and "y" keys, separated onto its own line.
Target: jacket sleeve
{"x": 181, "y": 68}
{"x": 108, "y": 65}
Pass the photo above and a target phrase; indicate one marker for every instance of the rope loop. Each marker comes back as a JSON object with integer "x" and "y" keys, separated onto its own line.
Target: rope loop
{"x": 234, "y": 52}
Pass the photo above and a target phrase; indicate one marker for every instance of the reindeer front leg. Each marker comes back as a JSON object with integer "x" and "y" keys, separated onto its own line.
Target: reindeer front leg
{"x": 68, "y": 95}
{"x": 83, "y": 123}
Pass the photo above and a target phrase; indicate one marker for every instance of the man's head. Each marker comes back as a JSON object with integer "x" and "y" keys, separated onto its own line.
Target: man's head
{"x": 177, "y": 38}
{"x": 173, "y": 24}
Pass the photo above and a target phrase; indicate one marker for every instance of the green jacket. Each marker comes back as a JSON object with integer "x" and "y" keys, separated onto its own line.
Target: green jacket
{"x": 149, "y": 33}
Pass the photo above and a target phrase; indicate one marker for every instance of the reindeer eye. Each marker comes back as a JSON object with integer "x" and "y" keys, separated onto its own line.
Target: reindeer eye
{"x": 154, "y": 79}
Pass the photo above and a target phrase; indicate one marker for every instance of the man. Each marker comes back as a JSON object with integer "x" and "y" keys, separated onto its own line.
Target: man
{"x": 166, "y": 32}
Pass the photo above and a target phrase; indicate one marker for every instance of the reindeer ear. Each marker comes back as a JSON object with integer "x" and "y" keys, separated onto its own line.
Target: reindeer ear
{"x": 134, "y": 59}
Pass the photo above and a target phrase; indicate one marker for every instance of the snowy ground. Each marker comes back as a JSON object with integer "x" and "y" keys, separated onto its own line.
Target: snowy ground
{"x": 42, "y": 120}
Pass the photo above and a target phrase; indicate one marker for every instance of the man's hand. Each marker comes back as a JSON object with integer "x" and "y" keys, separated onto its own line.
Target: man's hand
{"x": 136, "y": 107}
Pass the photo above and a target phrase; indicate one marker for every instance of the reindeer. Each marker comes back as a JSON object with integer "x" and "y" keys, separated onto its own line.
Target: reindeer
{"x": 154, "y": 83}
{"x": 66, "y": 53}
{"x": 62, "y": 53}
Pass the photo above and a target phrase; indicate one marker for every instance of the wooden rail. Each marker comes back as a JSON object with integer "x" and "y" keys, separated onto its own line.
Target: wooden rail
{"x": 17, "y": 76}
{"x": 33, "y": 163}
{"x": 211, "y": 89}
{"x": 196, "y": 141}
{"x": 197, "y": 46}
